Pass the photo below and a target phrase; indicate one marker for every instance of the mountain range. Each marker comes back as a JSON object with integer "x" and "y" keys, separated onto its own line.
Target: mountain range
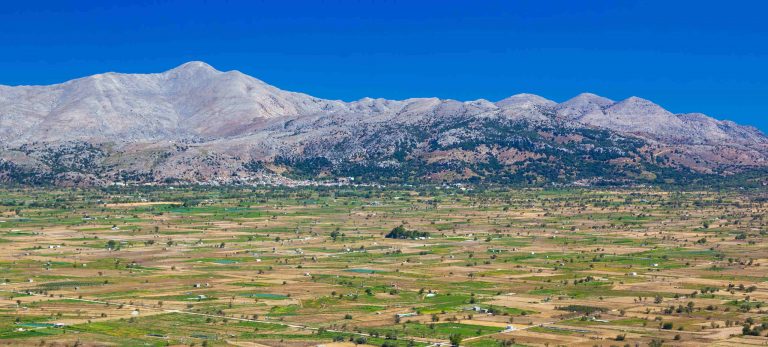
{"x": 195, "y": 124}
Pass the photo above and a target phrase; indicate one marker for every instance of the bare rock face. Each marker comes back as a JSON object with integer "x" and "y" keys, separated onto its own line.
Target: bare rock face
{"x": 636, "y": 115}
{"x": 525, "y": 101}
{"x": 194, "y": 123}
{"x": 583, "y": 105}
{"x": 192, "y": 100}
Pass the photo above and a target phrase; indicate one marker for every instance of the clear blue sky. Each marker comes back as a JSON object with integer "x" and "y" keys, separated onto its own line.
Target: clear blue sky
{"x": 688, "y": 56}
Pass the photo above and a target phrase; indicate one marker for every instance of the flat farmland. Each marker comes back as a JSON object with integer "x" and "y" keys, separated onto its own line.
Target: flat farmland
{"x": 346, "y": 266}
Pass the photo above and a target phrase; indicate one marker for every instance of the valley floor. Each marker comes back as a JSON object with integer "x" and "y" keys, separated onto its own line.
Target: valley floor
{"x": 297, "y": 267}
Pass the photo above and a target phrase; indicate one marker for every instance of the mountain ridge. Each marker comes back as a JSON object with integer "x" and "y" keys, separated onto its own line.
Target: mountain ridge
{"x": 236, "y": 128}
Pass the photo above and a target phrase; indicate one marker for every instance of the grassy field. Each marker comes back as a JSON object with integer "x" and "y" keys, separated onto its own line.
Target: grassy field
{"x": 311, "y": 266}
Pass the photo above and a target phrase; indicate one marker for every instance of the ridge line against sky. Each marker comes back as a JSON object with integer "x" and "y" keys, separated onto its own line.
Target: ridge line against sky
{"x": 687, "y": 56}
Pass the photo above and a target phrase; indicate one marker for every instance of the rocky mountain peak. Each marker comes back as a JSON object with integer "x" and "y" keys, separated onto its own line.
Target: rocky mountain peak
{"x": 637, "y": 107}
{"x": 582, "y": 105}
{"x": 525, "y": 100}
{"x": 194, "y": 66}
{"x": 587, "y": 99}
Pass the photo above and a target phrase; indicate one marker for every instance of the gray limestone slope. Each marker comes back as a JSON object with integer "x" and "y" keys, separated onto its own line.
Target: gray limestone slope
{"x": 231, "y": 118}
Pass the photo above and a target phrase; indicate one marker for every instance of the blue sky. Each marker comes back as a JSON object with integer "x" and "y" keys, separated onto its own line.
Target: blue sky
{"x": 688, "y": 56}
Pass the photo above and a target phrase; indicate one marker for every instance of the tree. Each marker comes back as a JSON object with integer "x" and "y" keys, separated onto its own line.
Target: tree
{"x": 401, "y": 233}
{"x": 455, "y": 340}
